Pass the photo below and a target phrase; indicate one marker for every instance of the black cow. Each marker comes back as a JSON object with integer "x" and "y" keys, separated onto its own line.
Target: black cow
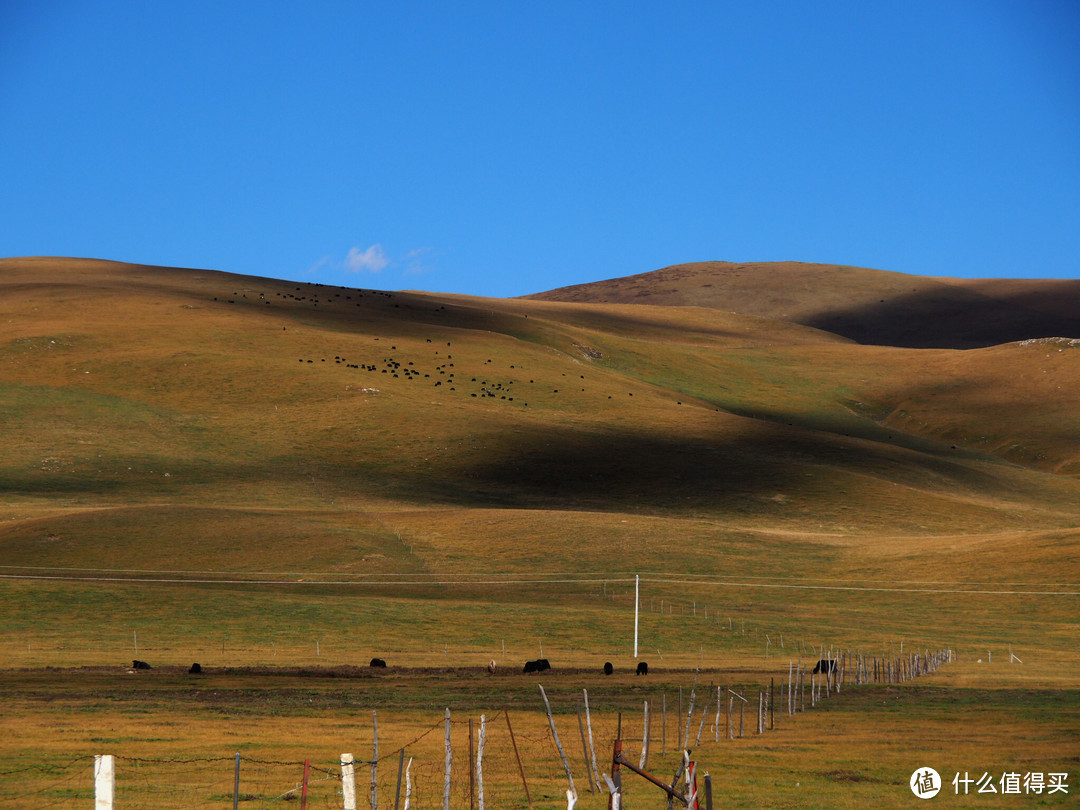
{"x": 195, "y": 669}
{"x": 642, "y": 668}
{"x": 608, "y": 668}
{"x": 539, "y": 665}
{"x": 139, "y": 665}
{"x": 825, "y": 665}
{"x": 377, "y": 662}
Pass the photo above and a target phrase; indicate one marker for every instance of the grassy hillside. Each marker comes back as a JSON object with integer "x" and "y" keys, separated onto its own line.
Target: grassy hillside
{"x": 250, "y": 472}
{"x": 869, "y": 306}
{"x": 205, "y": 424}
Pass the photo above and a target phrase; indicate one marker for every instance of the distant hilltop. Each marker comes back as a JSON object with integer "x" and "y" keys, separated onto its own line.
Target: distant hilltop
{"x": 874, "y": 307}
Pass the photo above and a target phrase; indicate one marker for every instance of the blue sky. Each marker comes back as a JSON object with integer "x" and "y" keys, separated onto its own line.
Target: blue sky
{"x": 503, "y": 148}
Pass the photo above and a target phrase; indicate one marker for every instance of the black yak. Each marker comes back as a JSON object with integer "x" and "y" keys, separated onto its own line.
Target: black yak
{"x": 539, "y": 665}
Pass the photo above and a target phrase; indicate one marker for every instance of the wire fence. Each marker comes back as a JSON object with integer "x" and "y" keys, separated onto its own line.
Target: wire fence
{"x": 495, "y": 760}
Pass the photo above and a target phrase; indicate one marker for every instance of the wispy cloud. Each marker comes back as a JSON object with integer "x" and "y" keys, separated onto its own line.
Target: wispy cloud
{"x": 371, "y": 260}
{"x": 325, "y": 260}
{"x": 416, "y": 261}
{"x": 374, "y": 259}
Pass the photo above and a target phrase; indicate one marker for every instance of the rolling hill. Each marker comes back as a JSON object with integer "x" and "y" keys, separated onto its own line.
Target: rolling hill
{"x": 868, "y": 306}
{"x": 208, "y": 425}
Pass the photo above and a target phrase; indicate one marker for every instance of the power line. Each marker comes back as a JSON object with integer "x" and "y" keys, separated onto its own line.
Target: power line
{"x": 535, "y": 581}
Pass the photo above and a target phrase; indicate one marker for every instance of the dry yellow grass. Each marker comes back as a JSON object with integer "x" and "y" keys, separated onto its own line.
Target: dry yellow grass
{"x": 175, "y": 735}
{"x": 167, "y": 437}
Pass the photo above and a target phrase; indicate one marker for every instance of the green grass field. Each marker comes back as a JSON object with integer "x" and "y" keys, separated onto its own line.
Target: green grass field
{"x": 281, "y": 481}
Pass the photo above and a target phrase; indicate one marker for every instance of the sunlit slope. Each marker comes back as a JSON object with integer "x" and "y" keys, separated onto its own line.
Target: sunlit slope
{"x": 163, "y": 418}
{"x": 869, "y": 306}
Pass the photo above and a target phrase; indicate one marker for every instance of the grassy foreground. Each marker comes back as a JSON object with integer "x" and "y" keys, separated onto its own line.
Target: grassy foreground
{"x": 175, "y": 735}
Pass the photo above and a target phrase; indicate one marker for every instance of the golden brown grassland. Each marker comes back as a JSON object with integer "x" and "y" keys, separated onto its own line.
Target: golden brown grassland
{"x": 252, "y": 473}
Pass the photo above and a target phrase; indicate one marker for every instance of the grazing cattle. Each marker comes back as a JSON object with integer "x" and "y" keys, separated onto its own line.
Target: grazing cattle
{"x": 195, "y": 669}
{"x": 642, "y": 668}
{"x": 139, "y": 665}
{"x": 825, "y": 665}
{"x": 608, "y": 668}
{"x": 377, "y": 662}
{"x": 491, "y": 664}
{"x": 539, "y": 665}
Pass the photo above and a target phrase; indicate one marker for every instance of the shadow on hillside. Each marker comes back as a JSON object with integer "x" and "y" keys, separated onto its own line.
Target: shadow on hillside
{"x": 945, "y": 318}
{"x": 565, "y": 468}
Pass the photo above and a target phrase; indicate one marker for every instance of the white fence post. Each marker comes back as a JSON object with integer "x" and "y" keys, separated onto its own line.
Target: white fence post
{"x": 480, "y": 761}
{"x": 348, "y": 782}
{"x": 555, "y": 734}
{"x": 446, "y": 776}
{"x": 104, "y": 781}
{"x": 592, "y": 749}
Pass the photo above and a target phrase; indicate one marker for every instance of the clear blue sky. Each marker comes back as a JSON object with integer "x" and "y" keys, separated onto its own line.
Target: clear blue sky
{"x": 504, "y": 148}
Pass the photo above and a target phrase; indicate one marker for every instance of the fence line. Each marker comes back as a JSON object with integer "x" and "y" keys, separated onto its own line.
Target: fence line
{"x": 502, "y": 769}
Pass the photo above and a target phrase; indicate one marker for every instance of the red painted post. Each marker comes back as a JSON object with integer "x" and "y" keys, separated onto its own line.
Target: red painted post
{"x": 303, "y": 792}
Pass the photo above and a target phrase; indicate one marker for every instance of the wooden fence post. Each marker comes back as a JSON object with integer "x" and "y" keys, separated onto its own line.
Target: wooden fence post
{"x": 555, "y": 734}
{"x": 348, "y": 782}
{"x": 616, "y": 772}
{"x": 616, "y": 777}
{"x": 446, "y": 777}
{"x": 592, "y": 748}
{"x": 236, "y": 783}
{"x": 472, "y": 769}
{"x": 517, "y": 756}
{"x": 772, "y": 709}
{"x": 585, "y": 751}
{"x": 303, "y": 789}
{"x": 408, "y": 784}
{"x": 691, "y": 781}
{"x": 716, "y": 722}
{"x": 400, "y": 770}
{"x": 678, "y": 731}
{"x": 614, "y": 798}
{"x": 104, "y": 781}
{"x": 690, "y": 714}
{"x": 645, "y": 740}
{"x": 374, "y": 759}
{"x": 480, "y": 760}
{"x": 704, "y": 714}
{"x": 791, "y": 704}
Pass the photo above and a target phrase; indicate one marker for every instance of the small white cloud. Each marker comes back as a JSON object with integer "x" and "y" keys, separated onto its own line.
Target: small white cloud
{"x": 416, "y": 261}
{"x": 371, "y": 260}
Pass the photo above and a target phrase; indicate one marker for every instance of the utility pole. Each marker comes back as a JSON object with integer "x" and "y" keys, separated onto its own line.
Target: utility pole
{"x": 637, "y": 594}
